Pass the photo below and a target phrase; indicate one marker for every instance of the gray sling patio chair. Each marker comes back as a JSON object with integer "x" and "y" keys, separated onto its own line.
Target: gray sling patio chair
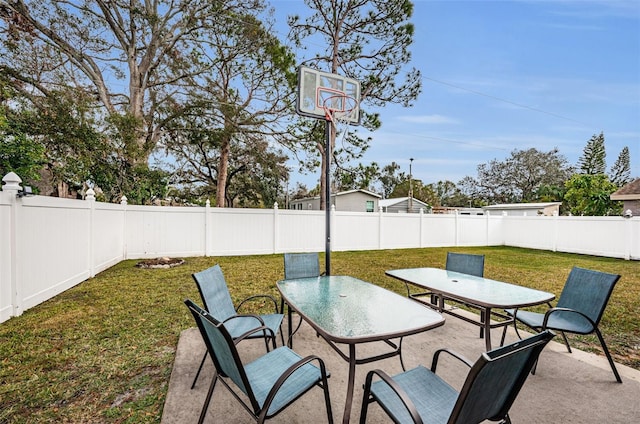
{"x": 491, "y": 386}
{"x": 299, "y": 265}
{"x": 217, "y": 301}
{"x": 579, "y": 309}
{"x": 266, "y": 385}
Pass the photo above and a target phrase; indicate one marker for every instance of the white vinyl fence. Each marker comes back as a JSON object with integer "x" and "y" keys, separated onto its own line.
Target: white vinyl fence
{"x": 48, "y": 244}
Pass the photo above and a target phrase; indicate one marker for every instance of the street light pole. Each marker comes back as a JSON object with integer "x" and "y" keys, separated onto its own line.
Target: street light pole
{"x": 410, "y": 186}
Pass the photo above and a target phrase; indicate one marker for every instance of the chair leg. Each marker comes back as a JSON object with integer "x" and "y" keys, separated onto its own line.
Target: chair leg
{"x": 327, "y": 399}
{"x": 566, "y": 341}
{"x": 199, "y": 369}
{"x": 295, "y": 331}
{"x": 365, "y": 400}
{"x": 203, "y": 413}
{"x": 504, "y": 335}
{"x": 606, "y": 352}
{"x": 400, "y": 353}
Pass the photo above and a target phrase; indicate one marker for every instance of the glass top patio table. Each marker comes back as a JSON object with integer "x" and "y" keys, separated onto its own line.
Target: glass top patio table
{"x": 477, "y": 290}
{"x": 346, "y": 310}
{"x": 484, "y": 293}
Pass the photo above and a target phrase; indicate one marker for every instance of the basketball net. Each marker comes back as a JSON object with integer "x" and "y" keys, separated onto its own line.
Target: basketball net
{"x": 338, "y": 110}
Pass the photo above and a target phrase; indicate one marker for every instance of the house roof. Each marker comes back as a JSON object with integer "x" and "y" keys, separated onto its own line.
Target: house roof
{"x": 629, "y": 191}
{"x": 396, "y": 200}
{"x": 342, "y": 193}
{"x": 522, "y": 205}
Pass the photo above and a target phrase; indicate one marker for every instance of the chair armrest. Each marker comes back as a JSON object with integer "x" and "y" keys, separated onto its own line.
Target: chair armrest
{"x": 262, "y": 328}
{"x": 552, "y": 310}
{"x": 258, "y": 296}
{"x": 289, "y": 371}
{"x": 436, "y": 356}
{"x": 257, "y": 317}
{"x": 399, "y": 391}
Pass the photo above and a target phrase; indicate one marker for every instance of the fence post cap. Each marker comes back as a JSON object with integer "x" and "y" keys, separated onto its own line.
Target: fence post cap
{"x": 11, "y": 182}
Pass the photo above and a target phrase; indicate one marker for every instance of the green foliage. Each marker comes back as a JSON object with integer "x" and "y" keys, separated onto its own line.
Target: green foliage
{"x": 590, "y": 195}
{"x": 593, "y": 159}
{"x": 421, "y": 192}
{"x": 621, "y": 169}
{"x": 520, "y": 176}
{"x": 360, "y": 177}
{"x": 20, "y": 154}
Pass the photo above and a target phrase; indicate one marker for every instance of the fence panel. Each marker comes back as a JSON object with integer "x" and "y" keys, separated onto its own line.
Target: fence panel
{"x": 157, "y": 231}
{"x": 599, "y": 236}
{"x": 52, "y": 244}
{"x": 354, "y": 231}
{"x": 241, "y": 231}
{"x": 108, "y": 236}
{"x": 400, "y": 230}
{"x": 439, "y": 230}
{"x": 300, "y": 231}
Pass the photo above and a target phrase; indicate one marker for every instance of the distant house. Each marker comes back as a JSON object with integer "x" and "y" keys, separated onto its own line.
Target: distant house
{"x": 403, "y": 205}
{"x": 524, "y": 209}
{"x": 352, "y": 200}
{"x": 629, "y": 194}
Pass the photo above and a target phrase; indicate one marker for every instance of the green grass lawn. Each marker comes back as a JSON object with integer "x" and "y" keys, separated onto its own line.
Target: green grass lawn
{"x": 103, "y": 350}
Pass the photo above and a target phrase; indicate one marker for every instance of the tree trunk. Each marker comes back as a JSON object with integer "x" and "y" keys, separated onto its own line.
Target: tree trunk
{"x": 223, "y": 170}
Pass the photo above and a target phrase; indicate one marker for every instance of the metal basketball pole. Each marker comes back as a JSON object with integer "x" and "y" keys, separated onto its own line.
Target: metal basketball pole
{"x": 327, "y": 193}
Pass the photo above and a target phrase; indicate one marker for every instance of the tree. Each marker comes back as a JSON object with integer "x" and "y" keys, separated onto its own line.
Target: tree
{"x": 360, "y": 177}
{"x": 468, "y": 193}
{"x": 620, "y": 173}
{"x": 389, "y": 179}
{"x": 19, "y": 153}
{"x": 367, "y": 40}
{"x": 247, "y": 90}
{"x": 519, "y": 177}
{"x": 421, "y": 191}
{"x": 590, "y": 195}
{"x": 133, "y": 58}
{"x": 445, "y": 190}
{"x": 593, "y": 159}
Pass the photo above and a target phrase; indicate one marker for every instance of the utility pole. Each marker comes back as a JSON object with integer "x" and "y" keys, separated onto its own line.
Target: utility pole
{"x": 410, "y": 187}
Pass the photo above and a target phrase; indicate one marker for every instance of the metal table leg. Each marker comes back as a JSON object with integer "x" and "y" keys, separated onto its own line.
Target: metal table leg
{"x": 487, "y": 328}
{"x": 350, "y": 384}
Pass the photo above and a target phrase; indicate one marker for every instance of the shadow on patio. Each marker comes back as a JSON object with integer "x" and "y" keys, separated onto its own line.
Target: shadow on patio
{"x": 567, "y": 388}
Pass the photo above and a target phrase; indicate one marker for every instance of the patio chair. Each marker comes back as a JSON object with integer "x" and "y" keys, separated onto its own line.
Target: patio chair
{"x": 217, "y": 301}
{"x": 579, "y": 309}
{"x": 299, "y": 265}
{"x": 491, "y": 386}
{"x": 268, "y": 384}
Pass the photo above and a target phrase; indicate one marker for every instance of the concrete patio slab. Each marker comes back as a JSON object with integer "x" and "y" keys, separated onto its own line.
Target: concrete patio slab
{"x": 567, "y": 388}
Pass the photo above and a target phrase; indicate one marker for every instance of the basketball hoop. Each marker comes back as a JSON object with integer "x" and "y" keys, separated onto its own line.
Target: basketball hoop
{"x": 340, "y": 108}
{"x": 334, "y": 98}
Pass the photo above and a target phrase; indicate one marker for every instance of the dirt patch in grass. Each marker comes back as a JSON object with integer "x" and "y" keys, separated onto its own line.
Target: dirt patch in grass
{"x": 160, "y": 263}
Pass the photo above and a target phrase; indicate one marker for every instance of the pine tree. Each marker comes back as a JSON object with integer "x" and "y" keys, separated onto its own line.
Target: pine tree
{"x": 592, "y": 161}
{"x": 620, "y": 173}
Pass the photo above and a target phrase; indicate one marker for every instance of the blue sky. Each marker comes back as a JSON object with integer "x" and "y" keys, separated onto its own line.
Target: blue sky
{"x": 505, "y": 75}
